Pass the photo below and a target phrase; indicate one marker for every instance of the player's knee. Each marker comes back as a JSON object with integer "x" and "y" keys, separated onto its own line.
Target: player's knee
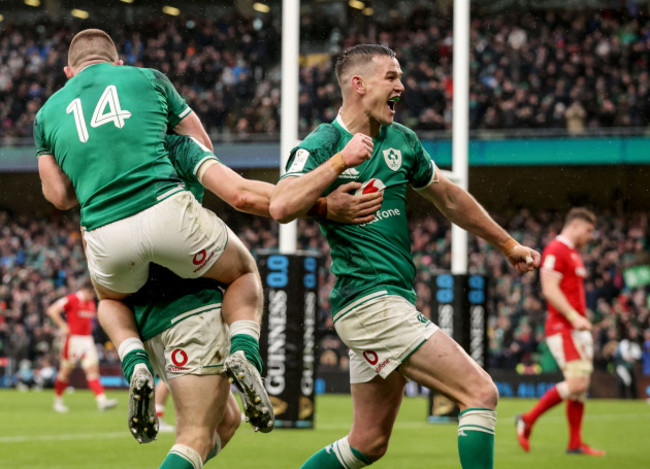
{"x": 486, "y": 394}
{"x": 377, "y": 449}
{"x": 578, "y": 387}
{"x": 373, "y": 446}
{"x": 200, "y": 440}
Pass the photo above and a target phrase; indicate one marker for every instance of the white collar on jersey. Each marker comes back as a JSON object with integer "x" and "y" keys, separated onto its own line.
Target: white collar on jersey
{"x": 565, "y": 240}
{"x": 339, "y": 121}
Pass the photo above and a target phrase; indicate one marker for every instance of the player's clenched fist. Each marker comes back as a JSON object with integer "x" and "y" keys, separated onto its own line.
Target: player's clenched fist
{"x": 357, "y": 150}
{"x": 521, "y": 257}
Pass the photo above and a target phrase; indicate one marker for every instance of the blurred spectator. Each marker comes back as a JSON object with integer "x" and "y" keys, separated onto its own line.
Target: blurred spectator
{"x": 627, "y": 355}
{"x": 572, "y": 69}
{"x": 41, "y": 259}
{"x": 575, "y": 118}
{"x": 646, "y": 352}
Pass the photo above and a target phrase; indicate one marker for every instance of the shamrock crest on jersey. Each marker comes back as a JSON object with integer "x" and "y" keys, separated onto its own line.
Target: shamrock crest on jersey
{"x": 393, "y": 158}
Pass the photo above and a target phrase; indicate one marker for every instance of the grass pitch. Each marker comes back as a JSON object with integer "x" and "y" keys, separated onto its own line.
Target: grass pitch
{"x": 33, "y": 436}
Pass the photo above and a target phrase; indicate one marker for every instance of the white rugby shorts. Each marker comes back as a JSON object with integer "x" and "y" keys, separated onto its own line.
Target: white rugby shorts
{"x": 197, "y": 345}
{"x": 573, "y": 351}
{"x": 177, "y": 233}
{"x": 382, "y": 331}
{"x": 79, "y": 349}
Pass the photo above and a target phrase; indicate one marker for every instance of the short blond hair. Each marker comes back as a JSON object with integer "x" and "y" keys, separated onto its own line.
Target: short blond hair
{"x": 91, "y": 44}
{"x": 580, "y": 213}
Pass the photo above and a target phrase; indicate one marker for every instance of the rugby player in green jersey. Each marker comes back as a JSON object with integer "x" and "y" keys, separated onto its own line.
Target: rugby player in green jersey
{"x": 101, "y": 142}
{"x": 373, "y": 301}
{"x": 180, "y": 319}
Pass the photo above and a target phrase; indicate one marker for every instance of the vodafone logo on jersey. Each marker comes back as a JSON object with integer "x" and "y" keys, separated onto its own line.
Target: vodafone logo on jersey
{"x": 201, "y": 259}
{"x": 368, "y": 187}
{"x": 179, "y": 357}
{"x": 377, "y": 185}
{"x": 371, "y": 356}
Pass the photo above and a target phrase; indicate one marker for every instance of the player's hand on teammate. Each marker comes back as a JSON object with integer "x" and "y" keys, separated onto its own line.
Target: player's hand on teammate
{"x": 345, "y": 207}
{"x": 523, "y": 258}
{"x": 357, "y": 150}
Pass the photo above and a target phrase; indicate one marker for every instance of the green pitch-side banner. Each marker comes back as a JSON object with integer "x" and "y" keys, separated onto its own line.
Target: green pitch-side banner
{"x": 637, "y": 276}
{"x": 482, "y": 152}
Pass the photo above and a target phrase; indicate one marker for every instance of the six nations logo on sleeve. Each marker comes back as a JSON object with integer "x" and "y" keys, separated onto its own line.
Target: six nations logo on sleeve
{"x": 299, "y": 161}
{"x": 393, "y": 158}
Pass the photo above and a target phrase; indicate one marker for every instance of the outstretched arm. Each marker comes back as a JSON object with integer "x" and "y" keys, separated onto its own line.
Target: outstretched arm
{"x": 461, "y": 208}
{"x": 294, "y": 196}
{"x": 57, "y": 187}
{"x": 245, "y": 195}
{"x": 252, "y": 196}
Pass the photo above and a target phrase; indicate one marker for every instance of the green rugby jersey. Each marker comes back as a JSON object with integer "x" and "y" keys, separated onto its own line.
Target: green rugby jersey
{"x": 106, "y": 129}
{"x": 373, "y": 258}
{"x": 166, "y": 299}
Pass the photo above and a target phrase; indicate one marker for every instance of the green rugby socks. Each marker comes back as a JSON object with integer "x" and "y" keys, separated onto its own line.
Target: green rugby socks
{"x": 131, "y": 352}
{"x": 476, "y": 438}
{"x": 182, "y": 457}
{"x": 338, "y": 455}
{"x": 245, "y": 336}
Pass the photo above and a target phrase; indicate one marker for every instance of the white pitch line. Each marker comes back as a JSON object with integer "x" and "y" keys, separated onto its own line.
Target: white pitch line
{"x": 64, "y": 437}
{"x": 505, "y": 421}
{"x": 398, "y": 425}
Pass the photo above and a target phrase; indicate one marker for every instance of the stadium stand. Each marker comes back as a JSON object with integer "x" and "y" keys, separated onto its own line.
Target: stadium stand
{"x": 571, "y": 71}
{"x": 42, "y": 258}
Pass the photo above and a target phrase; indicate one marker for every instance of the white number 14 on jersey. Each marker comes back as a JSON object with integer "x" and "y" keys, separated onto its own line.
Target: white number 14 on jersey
{"x": 115, "y": 114}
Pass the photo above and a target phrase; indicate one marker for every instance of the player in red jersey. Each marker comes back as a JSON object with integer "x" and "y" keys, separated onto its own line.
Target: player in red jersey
{"x": 79, "y": 346}
{"x": 568, "y": 331}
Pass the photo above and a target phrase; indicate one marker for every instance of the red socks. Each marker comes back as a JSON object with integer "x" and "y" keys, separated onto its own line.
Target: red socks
{"x": 550, "y": 399}
{"x": 59, "y": 387}
{"x": 96, "y": 386}
{"x": 574, "y": 412}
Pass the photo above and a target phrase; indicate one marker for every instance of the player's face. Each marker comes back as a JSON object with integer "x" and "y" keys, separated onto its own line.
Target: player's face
{"x": 382, "y": 87}
{"x": 584, "y": 233}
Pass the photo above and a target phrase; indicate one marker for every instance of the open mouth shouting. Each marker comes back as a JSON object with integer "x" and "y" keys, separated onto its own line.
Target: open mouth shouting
{"x": 391, "y": 103}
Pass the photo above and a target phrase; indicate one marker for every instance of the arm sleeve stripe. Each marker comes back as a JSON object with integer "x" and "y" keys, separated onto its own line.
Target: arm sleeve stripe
{"x": 291, "y": 175}
{"x": 203, "y": 160}
{"x": 185, "y": 112}
{"x": 434, "y": 178}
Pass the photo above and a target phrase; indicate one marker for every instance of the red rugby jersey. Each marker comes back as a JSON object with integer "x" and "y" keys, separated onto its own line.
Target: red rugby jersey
{"x": 560, "y": 258}
{"x": 79, "y": 314}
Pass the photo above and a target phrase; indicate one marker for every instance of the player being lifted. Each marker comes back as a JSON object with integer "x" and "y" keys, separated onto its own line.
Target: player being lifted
{"x": 101, "y": 141}
{"x": 373, "y": 302}
{"x": 79, "y": 345}
{"x": 116, "y": 183}
{"x": 568, "y": 331}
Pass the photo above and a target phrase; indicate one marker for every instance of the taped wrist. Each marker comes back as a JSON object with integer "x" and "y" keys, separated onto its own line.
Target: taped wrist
{"x": 338, "y": 163}
{"x": 319, "y": 209}
{"x": 508, "y": 246}
{"x": 572, "y": 316}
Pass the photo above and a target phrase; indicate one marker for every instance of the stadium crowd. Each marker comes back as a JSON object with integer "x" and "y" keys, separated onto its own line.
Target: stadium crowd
{"x": 574, "y": 69}
{"x": 41, "y": 259}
